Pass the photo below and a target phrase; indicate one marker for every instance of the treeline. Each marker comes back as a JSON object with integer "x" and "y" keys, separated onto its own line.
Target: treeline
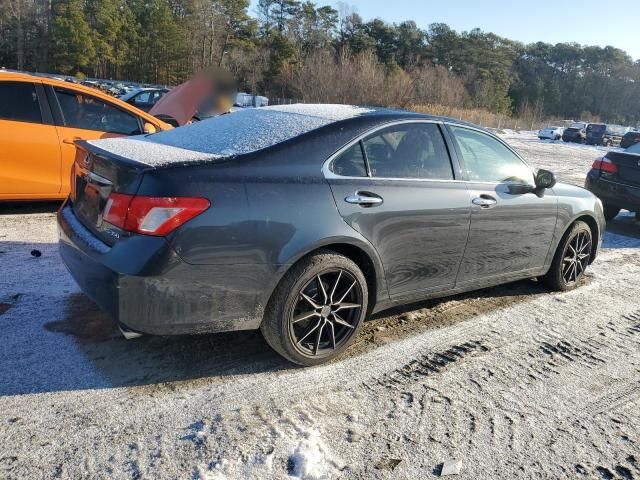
{"x": 298, "y": 49}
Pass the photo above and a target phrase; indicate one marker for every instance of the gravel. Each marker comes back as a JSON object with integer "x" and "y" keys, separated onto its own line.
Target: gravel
{"x": 512, "y": 381}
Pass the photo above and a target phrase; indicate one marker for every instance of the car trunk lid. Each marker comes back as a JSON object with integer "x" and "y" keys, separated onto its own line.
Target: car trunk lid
{"x": 94, "y": 176}
{"x": 628, "y": 166}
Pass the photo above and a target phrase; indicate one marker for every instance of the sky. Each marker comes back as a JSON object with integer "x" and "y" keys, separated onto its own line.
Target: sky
{"x": 588, "y": 22}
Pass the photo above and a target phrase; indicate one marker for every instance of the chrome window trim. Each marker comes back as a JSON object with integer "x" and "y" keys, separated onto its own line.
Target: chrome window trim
{"x": 330, "y": 175}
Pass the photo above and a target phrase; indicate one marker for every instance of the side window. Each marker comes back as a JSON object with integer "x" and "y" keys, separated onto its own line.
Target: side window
{"x": 86, "y": 112}
{"x": 488, "y": 160}
{"x": 19, "y": 102}
{"x": 143, "y": 98}
{"x": 414, "y": 150}
{"x": 350, "y": 163}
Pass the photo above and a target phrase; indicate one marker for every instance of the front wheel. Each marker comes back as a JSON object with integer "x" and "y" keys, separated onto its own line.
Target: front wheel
{"x": 317, "y": 309}
{"x": 571, "y": 259}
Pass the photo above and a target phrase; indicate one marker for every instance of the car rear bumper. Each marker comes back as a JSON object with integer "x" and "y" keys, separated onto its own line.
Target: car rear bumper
{"x": 146, "y": 287}
{"x": 618, "y": 194}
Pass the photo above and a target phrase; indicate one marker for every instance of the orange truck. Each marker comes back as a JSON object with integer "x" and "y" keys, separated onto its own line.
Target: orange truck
{"x": 41, "y": 118}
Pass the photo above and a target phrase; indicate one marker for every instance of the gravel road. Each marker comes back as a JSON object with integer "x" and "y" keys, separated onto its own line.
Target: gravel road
{"x": 512, "y": 382}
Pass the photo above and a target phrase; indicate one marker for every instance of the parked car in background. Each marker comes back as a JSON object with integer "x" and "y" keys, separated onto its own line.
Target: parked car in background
{"x": 607, "y": 135}
{"x": 303, "y": 220}
{"x": 630, "y": 138}
{"x": 245, "y": 100}
{"x": 551, "y": 133}
{"x": 615, "y": 179}
{"x": 40, "y": 118}
{"x": 144, "y": 98}
{"x": 576, "y": 133}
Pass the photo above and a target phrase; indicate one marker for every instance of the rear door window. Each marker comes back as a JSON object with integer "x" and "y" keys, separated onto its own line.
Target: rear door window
{"x": 350, "y": 163}
{"x": 19, "y": 102}
{"x": 414, "y": 150}
{"x": 89, "y": 113}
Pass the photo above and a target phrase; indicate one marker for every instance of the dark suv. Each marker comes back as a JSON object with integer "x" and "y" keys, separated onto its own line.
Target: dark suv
{"x": 615, "y": 179}
{"x": 607, "y": 135}
{"x": 574, "y": 134}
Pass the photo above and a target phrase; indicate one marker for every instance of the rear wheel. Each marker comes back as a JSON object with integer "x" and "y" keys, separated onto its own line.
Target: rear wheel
{"x": 571, "y": 259}
{"x": 610, "y": 211}
{"x": 317, "y": 309}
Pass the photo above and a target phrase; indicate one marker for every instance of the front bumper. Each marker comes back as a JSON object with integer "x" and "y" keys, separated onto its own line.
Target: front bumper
{"x": 613, "y": 193}
{"x": 145, "y": 286}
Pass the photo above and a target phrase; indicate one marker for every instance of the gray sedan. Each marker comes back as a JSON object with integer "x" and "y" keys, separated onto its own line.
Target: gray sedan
{"x": 303, "y": 220}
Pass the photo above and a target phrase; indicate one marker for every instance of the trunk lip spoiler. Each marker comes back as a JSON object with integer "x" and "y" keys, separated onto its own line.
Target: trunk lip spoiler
{"x": 142, "y": 167}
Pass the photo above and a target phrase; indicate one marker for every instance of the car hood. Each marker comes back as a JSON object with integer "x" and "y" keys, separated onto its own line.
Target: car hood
{"x": 182, "y": 102}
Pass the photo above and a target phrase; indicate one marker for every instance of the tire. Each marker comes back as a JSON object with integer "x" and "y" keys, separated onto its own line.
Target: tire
{"x": 331, "y": 283}
{"x": 562, "y": 276}
{"x": 610, "y": 211}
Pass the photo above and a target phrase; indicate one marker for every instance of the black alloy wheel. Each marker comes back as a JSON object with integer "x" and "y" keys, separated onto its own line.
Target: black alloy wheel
{"x": 317, "y": 309}
{"x": 576, "y": 257}
{"x": 571, "y": 259}
{"x": 326, "y": 314}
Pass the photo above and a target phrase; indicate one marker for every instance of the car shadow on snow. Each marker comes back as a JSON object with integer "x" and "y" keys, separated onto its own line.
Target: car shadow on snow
{"x": 622, "y": 232}
{"x": 99, "y": 357}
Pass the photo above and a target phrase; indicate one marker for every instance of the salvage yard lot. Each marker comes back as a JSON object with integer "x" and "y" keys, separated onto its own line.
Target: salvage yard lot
{"x": 513, "y": 381}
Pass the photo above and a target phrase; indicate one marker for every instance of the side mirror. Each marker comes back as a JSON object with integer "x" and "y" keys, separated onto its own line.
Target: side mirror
{"x": 149, "y": 128}
{"x": 545, "y": 179}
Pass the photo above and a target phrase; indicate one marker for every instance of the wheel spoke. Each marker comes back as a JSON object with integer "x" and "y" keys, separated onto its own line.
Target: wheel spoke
{"x": 324, "y": 292}
{"x": 347, "y": 292}
{"x": 310, "y": 300}
{"x": 340, "y": 321}
{"x": 346, "y": 306}
{"x": 335, "y": 286}
{"x": 304, "y": 316}
{"x": 315, "y": 352}
{"x": 333, "y": 335}
{"x": 309, "y": 332}
{"x": 587, "y": 244}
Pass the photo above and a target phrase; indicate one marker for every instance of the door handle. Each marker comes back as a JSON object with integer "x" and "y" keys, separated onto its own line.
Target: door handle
{"x": 364, "y": 199}
{"x": 69, "y": 141}
{"x": 485, "y": 201}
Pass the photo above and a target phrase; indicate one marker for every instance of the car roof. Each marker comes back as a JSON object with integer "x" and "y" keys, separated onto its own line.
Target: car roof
{"x": 7, "y": 75}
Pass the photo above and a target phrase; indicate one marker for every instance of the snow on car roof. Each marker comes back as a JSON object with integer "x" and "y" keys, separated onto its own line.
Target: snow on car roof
{"x": 237, "y": 133}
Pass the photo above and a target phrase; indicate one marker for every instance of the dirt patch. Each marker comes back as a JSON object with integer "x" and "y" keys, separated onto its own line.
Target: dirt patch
{"x": 399, "y": 323}
{"x": 84, "y": 321}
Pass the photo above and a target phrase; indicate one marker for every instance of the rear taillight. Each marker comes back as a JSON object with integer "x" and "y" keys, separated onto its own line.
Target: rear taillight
{"x": 605, "y": 165}
{"x": 157, "y": 216}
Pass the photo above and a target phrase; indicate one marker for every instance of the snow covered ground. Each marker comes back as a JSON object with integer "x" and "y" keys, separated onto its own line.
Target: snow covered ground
{"x": 513, "y": 381}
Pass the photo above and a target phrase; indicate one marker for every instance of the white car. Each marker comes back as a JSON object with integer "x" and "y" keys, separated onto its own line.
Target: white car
{"x": 551, "y": 133}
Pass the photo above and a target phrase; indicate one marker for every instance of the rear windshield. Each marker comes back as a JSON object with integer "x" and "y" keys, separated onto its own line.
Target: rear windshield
{"x": 634, "y": 148}
{"x": 597, "y": 129}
